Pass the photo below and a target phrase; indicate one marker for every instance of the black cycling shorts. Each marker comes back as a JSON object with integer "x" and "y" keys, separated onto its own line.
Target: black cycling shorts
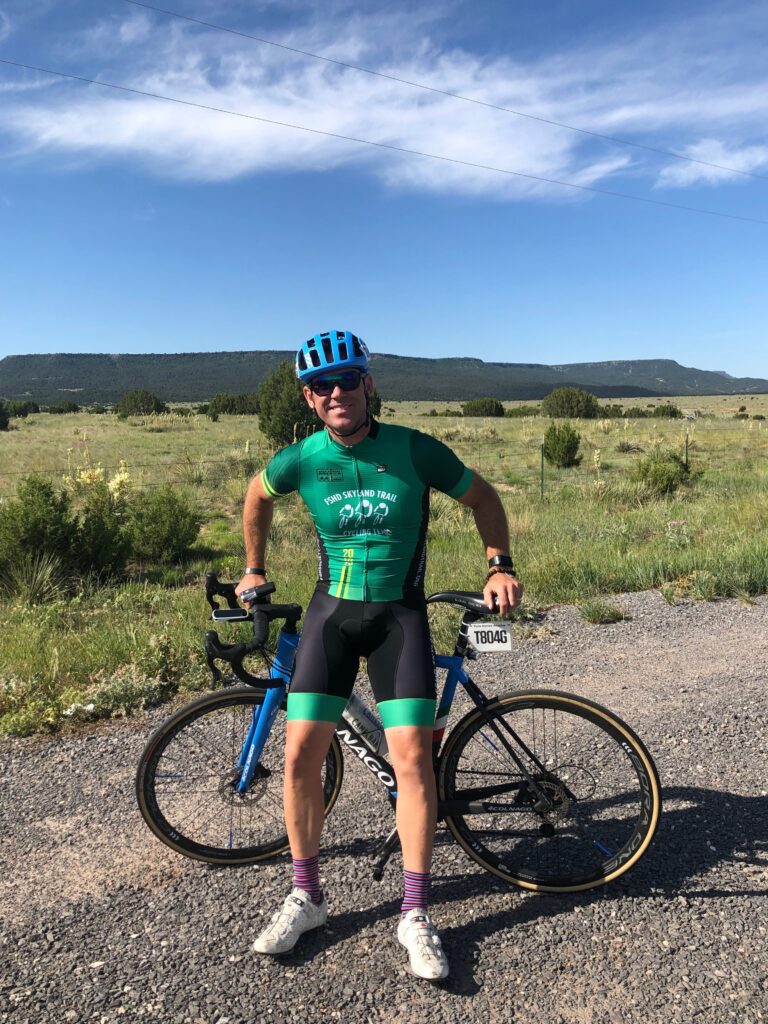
{"x": 392, "y": 635}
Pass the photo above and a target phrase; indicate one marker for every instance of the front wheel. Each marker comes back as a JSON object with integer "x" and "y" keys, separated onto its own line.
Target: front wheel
{"x": 188, "y": 774}
{"x": 549, "y": 791}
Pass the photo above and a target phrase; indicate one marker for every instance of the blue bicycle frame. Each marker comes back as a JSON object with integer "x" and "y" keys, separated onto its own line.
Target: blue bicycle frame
{"x": 264, "y": 715}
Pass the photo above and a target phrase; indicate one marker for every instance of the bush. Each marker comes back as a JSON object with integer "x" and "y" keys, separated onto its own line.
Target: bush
{"x": 563, "y": 403}
{"x": 4, "y": 417}
{"x": 483, "y": 407}
{"x": 21, "y": 409}
{"x": 161, "y": 526}
{"x": 758, "y": 416}
{"x": 741, "y": 416}
{"x": 234, "y": 405}
{"x": 139, "y": 402}
{"x": 97, "y": 410}
{"x": 284, "y": 415}
{"x": 561, "y": 445}
{"x": 668, "y": 411}
{"x": 102, "y": 544}
{"x": 38, "y": 521}
{"x": 662, "y": 471}
{"x": 64, "y": 407}
{"x": 636, "y": 412}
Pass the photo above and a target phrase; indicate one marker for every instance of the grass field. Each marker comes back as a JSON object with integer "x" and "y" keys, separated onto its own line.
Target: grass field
{"x": 108, "y": 649}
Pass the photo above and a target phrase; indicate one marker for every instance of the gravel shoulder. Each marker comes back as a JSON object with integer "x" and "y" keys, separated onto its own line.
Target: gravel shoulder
{"x": 101, "y": 923}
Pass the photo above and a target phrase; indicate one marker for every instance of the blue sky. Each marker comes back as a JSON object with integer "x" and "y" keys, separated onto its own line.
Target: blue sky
{"x": 128, "y": 224}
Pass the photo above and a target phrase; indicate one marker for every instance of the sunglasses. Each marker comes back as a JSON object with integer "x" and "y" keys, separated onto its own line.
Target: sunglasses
{"x": 324, "y": 386}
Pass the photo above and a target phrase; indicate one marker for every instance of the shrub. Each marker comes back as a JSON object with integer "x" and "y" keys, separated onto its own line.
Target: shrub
{"x": 161, "y": 526}
{"x": 22, "y": 409}
{"x": 636, "y": 412}
{"x": 101, "y": 544}
{"x": 561, "y": 445}
{"x": 38, "y": 521}
{"x": 663, "y": 471}
{"x": 668, "y": 411}
{"x": 97, "y": 409}
{"x": 483, "y": 407}
{"x": 563, "y": 403}
{"x": 283, "y": 411}
{"x": 139, "y": 402}
{"x": 234, "y": 405}
{"x": 64, "y": 407}
{"x": 758, "y": 416}
{"x": 741, "y": 416}
{"x": 4, "y": 417}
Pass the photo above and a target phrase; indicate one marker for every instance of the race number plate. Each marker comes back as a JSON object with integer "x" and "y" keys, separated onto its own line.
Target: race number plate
{"x": 488, "y": 637}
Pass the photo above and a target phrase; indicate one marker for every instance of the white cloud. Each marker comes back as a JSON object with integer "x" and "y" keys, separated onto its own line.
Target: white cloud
{"x": 634, "y": 89}
{"x": 751, "y": 159}
{"x": 5, "y": 26}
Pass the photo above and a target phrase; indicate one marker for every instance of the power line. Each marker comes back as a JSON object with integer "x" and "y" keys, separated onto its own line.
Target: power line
{"x": 385, "y": 145}
{"x": 445, "y": 92}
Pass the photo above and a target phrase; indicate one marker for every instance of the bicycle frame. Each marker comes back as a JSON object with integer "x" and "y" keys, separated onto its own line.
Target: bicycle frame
{"x": 353, "y": 739}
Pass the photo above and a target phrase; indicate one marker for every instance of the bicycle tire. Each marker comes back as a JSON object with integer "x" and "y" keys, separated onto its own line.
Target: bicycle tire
{"x": 602, "y": 781}
{"x": 186, "y": 774}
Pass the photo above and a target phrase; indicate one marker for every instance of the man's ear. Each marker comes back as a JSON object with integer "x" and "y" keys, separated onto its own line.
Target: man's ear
{"x": 308, "y": 397}
{"x": 368, "y": 384}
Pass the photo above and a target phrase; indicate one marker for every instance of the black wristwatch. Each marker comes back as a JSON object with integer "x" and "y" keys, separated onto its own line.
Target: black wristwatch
{"x": 502, "y": 561}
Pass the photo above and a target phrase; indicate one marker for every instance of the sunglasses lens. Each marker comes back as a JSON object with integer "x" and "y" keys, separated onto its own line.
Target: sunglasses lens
{"x": 324, "y": 386}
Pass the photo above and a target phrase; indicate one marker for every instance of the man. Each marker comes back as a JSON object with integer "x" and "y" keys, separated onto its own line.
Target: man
{"x": 366, "y": 485}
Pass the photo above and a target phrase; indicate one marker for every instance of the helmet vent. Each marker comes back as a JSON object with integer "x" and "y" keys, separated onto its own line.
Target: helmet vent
{"x": 302, "y": 362}
{"x": 327, "y": 349}
{"x": 356, "y": 346}
{"x": 343, "y": 350}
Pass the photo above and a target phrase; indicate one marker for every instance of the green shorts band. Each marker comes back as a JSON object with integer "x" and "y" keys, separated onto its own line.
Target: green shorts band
{"x": 407, "y": 711}
{"x": 315, "y": 707}
{"x": 321, "y": 707}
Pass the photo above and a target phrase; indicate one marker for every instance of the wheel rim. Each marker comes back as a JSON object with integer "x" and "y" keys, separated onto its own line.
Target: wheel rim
{"x": 602, "y": 792}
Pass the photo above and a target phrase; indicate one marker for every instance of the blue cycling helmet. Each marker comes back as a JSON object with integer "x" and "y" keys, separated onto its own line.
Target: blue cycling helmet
{"x": 333, "y": 350}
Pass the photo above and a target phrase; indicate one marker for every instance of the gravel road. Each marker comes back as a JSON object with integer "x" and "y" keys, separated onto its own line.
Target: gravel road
{"x": 101, "y": 923}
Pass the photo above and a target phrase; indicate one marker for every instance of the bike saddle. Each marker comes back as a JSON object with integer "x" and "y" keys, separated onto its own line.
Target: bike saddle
{"x": 472, "y": 600}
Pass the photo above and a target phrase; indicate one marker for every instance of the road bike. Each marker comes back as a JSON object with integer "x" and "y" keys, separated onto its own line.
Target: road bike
{"x": 545, "y": 789}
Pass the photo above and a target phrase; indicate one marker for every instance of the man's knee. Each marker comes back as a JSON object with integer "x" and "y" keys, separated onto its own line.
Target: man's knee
{"x": 306, "y": 745}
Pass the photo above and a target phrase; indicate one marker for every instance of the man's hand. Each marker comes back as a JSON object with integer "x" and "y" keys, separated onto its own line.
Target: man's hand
{"x": 507, "y": 591}
{"x": 248, "y": 582}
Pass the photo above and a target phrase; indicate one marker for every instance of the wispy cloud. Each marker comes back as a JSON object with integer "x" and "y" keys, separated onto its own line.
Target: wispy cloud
{"x": 703, "y": 103}
{"x": 5, "y": 26}
{"x": 752, "y": 159}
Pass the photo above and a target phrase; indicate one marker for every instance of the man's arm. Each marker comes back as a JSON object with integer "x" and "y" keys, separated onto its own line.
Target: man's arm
{"x": 257, "y": 517}
{"x": 491, "y": 522}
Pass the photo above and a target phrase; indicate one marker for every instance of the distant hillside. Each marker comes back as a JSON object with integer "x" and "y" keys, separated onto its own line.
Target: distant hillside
{"x": 196, "y": 377}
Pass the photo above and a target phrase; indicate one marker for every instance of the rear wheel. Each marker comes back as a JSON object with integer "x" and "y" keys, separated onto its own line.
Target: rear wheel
{"x": 550, "y": 791}
{"x": 188, "y": 773}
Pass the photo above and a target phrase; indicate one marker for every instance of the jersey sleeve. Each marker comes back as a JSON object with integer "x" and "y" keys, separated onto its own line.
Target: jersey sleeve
{"x": 439, "y": 467}
{"x": 282, "y": 473}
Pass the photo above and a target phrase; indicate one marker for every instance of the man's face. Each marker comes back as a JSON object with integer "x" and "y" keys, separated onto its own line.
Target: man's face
{"x": 340, "y": 410}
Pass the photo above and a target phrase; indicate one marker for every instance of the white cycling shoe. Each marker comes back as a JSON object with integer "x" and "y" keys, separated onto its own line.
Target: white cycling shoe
{"x": 297, "y": 915}
{"x": 425, "y": 951}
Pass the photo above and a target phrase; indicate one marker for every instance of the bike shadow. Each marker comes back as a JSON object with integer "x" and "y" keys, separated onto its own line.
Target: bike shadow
{"x": 700, "y": 831}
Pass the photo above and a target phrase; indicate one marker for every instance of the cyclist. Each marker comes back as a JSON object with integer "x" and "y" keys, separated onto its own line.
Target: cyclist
{"x": 366, "y": 485}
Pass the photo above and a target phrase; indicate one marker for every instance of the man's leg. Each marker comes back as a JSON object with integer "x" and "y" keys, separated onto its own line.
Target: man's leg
{"x": 410, "y": 748}
{"x": 306, "y": 745}
{"x": 305, "y": 908}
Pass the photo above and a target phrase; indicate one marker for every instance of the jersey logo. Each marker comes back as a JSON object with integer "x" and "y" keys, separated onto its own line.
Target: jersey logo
{"x": 381, "y": 469}
{"x": 329, "y": 476}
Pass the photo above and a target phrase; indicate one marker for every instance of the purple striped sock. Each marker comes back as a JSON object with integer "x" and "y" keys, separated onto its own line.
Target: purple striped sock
{"x": 416, "y": 885}
{"x": 306, "y": 876}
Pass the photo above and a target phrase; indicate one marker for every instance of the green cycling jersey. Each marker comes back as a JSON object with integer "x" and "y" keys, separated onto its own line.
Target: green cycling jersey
{"x": 370, "y": 505}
